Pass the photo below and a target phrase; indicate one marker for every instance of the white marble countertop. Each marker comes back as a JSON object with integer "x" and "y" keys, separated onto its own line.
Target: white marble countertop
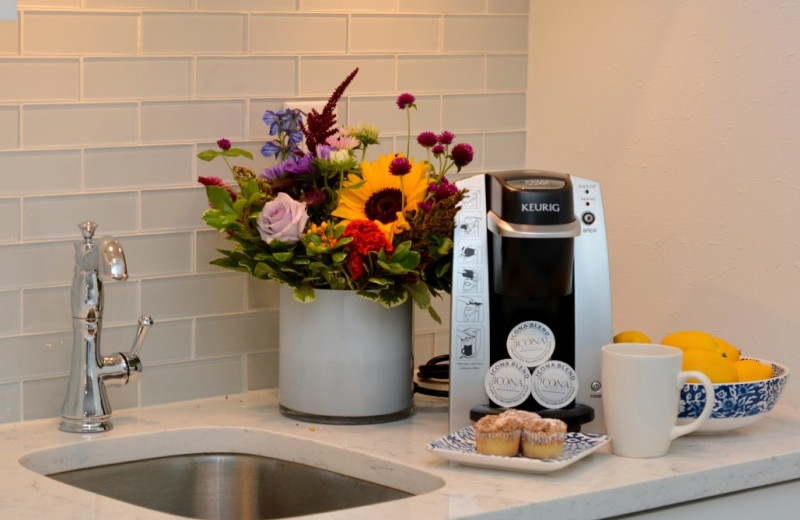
{"x": 598, "y": 486}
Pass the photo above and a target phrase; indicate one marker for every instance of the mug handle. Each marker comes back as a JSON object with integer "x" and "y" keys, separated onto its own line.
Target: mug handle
{"x": 676, "y": 430}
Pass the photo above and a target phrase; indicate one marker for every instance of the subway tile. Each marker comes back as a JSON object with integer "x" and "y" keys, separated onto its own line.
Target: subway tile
{"x": 28, "y": 173}
{"x": 9, "y": 127}
{"x": 192, "y": 33}
{"x": 173, "y": 208}
{"x": 121, "y": 301}
{"x": 80, "y": 124}
{"x": 10, "y": 317}
{"x": 40, "y": 80}
{"x": 10, "y": 402}
{"x": 193, "y": 295}
{"x": 35, "y": 355}
{"x": 122, "y": 397}
{"x": 484, "y": 112}
{"x": 9, "y": 38}
{"x": 262, "y": 370}
{"x": 137, "y": 78}
{"x": 185, "y": 121}
{"x": 440, "y": 73}
{"x": 486, "y": 34}
{"x": 43, "y": 398}
{"x": 69, "y": 33}
{"x": 59, "y": 216}
{"x": 236, "y": 334}
{"x": 192, "y": 380}
{"x": 9, "y": 220}
{"x": 297, "y": 34}
{"x": 370, "y": 34}
{"x": 383, "y": 113}
{"x": 166, "y": 340}
{"x": 251, "y": 76}
{"x": 442, "y": 6}
{"x": 158, "y": 255}
{"x": 509, "y": 6}
{"x": 348, "y": 6}
{"x": 262, "y": 293}
{"x": 137, "y": 167}
{"x": 507, "y": 72}
{"x": 246, "y": 5}
{"x": 36, "y": 265}
{"x": 320, "y": 75}
{"x": 505, "y": 150}
{"x": 139, "y": 4}
{"x": 46, "y": 310}
{"x": 208, "y": 241}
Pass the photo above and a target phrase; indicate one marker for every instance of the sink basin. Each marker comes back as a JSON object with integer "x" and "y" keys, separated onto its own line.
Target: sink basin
{"x": 234, "y": 486}
{"x": 230, "y": 473}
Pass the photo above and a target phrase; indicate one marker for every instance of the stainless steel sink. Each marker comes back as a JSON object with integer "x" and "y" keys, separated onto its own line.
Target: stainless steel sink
{"x": 228, "y": 486}
{"x": 230, "y": 472}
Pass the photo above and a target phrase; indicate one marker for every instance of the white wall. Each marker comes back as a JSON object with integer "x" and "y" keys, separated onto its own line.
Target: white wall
{"x": 103, "y": 107}
{"x": 689, "y": 115}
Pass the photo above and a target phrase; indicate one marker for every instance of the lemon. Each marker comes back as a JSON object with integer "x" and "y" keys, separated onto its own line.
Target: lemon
{"x": 692, "y": 339}
{"x": 717, "y": 368}
{"x": 752, "y": 370}
{"x": 631, "y": 336}
{"x": 728, "y": 350}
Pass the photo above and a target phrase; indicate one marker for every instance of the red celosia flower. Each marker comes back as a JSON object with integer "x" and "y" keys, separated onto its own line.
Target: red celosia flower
{"x": 355, "y": 265}
{"x": 224, "y": 144}
{"x": 216, "y": 181}
{"x": 399, "y": 166}
{"x": 445, "y": 138}
{"x": 405, "y": 100}
{"x": 426, "y": 139}
{"x": 367, "y": 237}
{"x": 462, "y": 155}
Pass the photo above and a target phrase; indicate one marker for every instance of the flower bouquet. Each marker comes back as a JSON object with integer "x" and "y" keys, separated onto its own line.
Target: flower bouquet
{"x": 324, "y": 217}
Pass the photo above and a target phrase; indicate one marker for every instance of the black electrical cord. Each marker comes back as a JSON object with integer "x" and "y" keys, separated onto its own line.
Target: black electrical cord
{"x": 437, "y": 369}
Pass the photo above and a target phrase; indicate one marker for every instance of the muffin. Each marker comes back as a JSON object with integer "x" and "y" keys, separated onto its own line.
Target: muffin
{"x": 498, "y": 435}
{"x": 543, "y": 438}
{"x": 521, "y": 415}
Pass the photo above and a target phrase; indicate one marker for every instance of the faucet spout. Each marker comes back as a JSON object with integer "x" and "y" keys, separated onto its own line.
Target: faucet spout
{"x": 86, "y": 407}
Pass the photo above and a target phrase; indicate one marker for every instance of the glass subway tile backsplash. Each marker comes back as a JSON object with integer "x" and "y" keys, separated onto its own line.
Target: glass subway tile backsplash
{"x": 104, "y": 105}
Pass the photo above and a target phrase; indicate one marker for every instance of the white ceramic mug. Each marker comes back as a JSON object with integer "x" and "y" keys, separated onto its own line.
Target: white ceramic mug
{"x": 641, "y": 391}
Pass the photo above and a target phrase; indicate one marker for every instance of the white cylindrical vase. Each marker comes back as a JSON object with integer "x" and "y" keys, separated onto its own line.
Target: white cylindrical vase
{"x": 344, "y": 359}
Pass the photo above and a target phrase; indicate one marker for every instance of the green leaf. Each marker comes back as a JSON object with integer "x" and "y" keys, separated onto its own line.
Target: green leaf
{"x": 338, "y": 257}
{"x": 445, "y": 247}
{"x": 237, "y": 152}
{"x": 283, "y": 257}
{"x": 393, "y": 297}
{"x": 368, "y": 295}
{"x": 208, "y": 155}
{"x": 219, "y": 198}
{"x": 379, "y": 280}
{"x": 264, "y": 270}
{"x": 442, "y": 268}
{"x": 304, "y": 294}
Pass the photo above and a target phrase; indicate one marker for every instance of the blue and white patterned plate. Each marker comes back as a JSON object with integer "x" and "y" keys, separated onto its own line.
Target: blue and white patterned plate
{"x": 460, "y": 447}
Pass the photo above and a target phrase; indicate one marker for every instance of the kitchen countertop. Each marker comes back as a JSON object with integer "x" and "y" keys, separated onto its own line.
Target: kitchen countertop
{"x": 598, "y": 486}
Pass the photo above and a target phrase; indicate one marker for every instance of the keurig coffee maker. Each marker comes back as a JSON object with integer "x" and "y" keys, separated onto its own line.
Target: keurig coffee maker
{"x": 531, "y": 302}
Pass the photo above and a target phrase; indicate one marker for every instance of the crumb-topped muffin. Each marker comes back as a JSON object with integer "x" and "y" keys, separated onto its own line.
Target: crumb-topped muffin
{"x": 543, "y": 438}
{"x": 498, "y": 435}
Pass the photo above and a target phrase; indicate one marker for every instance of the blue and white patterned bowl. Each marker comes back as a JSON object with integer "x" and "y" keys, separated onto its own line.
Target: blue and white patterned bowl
{"x": 737, "y": 404}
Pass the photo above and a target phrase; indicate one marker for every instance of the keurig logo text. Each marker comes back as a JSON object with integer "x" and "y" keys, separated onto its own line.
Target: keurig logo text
{"x": 551, "y": 207}
{"x": 531, "y": 343}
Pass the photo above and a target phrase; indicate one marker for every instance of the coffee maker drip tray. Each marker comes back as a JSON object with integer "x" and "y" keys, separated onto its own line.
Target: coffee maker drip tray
{"x": 574, "y": 416}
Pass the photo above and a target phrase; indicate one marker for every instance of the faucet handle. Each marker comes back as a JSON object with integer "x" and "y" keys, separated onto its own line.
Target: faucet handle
{"x": 87, "y": 230}
{"x": 145, "y": 322}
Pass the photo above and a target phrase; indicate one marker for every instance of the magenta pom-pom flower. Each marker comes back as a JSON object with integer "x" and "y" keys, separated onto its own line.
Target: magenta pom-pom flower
{"x": 462, "y": 155}
{"x": 224, "y": 144}
{"x": 399, "y": 166}
{"x": 427, "y": 139}
{"x": 445, "y": 138}
{"x": 405, "y": 100}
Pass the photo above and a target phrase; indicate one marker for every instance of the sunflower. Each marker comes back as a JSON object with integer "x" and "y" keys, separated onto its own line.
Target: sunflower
{"x": 378, "y": 198}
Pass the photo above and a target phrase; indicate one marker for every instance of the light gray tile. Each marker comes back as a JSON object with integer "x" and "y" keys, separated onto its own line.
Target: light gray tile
{"x": 192, "y": 380}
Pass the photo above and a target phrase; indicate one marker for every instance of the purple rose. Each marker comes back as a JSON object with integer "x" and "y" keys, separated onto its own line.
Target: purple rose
{"x": 282, "y": 218}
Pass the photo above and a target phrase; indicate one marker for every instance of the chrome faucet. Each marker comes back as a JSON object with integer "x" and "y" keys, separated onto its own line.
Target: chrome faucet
{"x": 86, "y": 408}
